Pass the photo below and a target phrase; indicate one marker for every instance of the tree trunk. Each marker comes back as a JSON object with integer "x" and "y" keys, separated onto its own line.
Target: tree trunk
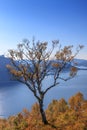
{"x": 43, "y": 115}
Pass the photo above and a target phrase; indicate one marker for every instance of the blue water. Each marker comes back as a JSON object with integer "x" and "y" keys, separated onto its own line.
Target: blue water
{"x": 15, "y": 97}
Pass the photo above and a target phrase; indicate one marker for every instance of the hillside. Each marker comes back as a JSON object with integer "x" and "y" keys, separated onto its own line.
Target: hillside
{"x": 6, "y": 77}
{"x": 4, "y": 74}
{"x": 81, "y": 64}
{"x": 61, "y": 115}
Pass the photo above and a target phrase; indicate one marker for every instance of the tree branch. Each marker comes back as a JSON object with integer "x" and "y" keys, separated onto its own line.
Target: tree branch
{"x": 54, "y": 85}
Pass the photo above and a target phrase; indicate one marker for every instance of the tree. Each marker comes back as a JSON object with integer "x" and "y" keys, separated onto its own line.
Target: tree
{"x": 31, "y": 64}
{"x": 76, "y": 101}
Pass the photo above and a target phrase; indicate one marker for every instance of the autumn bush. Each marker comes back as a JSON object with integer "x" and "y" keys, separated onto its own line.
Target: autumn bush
{"x": 61, "y": 115}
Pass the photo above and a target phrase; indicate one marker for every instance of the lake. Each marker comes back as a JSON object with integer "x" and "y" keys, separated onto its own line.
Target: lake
{"x": 15, "y": 97}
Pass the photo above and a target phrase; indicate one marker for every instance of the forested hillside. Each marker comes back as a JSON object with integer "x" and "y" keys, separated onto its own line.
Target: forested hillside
{"x": 61, "y": 115}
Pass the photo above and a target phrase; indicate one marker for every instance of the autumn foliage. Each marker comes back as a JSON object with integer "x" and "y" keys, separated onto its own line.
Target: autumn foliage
{"x": 61, "y": 115}
{"x": 31, "y": 64}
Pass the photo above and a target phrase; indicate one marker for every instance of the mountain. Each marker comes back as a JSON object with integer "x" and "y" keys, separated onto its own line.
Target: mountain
{"x": 6, "y": 77}
{"x": 81, "y": 64}
{"x": 4, "y": 74}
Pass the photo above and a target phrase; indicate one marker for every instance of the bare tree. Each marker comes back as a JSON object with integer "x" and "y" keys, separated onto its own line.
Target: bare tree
{"x": 31, "y": 63}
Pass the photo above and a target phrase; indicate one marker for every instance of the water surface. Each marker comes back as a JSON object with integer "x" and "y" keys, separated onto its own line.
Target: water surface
{"x": 15, "y": 97}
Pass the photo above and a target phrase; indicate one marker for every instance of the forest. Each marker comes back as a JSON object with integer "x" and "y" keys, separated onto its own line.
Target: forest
{"x": 61, "y": 115}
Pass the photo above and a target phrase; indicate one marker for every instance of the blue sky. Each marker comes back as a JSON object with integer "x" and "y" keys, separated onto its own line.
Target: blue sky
{"x": 65, "y": 20}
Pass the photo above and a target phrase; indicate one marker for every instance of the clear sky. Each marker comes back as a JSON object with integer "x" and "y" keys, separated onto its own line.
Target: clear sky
{"x": 65, "y": 20}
